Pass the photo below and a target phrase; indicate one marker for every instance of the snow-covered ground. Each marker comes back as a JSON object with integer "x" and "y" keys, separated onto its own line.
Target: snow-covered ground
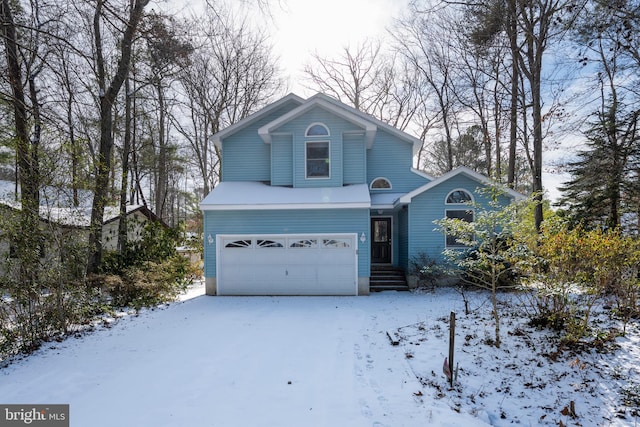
{"x": 323, "y": 361}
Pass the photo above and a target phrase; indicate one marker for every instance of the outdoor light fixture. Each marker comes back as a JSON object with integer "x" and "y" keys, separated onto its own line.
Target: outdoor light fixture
{"x": 210, "y": 239}
{"x": 363, "y": 238}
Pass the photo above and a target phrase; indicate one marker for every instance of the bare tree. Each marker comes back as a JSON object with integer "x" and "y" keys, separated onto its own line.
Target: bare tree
{"x": 423, "y": 39}
{"x": 353, "y": 77}
{"x": 539, "y": 22}
{"x": 378, "y": 83}
{"x": 232, "y": 73}
{"x": 166, "y": 53}
{"x": 108, "y": 93}
{"x": 27, "y": 148}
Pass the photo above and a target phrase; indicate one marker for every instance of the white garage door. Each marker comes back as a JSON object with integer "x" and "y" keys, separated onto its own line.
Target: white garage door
{"x": 309, "y": 264}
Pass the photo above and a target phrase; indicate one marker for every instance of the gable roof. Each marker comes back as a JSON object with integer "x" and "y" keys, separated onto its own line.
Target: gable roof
{"x": 290, "y": 98}
{"x": 416, "y": 142}
{"x": 366, "y": 121}
{"x": 462, "y": 170}
{"x": 56, "y": 206}
{"x": 369, "y": 127}
{"x": 80, "y": 217}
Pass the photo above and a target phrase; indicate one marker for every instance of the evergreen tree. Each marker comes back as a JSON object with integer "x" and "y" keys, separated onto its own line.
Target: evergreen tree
{"x": 601, "y": 189}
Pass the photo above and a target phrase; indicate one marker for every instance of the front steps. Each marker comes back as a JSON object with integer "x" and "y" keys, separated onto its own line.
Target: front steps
{"x": 387, "y": 278}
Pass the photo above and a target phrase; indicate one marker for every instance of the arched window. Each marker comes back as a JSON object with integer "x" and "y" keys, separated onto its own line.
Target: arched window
{"x": 380, "y": 184}
{"x": 317, "y": 129}
{"x": 459, "y": 196}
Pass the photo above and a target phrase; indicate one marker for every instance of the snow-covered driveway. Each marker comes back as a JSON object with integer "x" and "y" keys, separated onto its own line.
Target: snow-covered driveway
{"x": 235, "y": 361}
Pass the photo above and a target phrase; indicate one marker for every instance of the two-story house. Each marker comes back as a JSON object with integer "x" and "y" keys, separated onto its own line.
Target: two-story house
{"x": 314, "y": 194}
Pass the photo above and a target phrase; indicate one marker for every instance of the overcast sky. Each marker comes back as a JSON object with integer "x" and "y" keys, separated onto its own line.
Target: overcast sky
{"x": 300, "y": 27}
{"x": 303, "y": 26}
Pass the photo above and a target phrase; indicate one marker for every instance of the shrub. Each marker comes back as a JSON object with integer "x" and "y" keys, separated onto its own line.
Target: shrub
{"x": 427, "y": 270}
{"x": 496, "y": 257}
{"x": 148, "y": 272}
{"x": 576, "y": 268}
{"x": 146, "y": 285}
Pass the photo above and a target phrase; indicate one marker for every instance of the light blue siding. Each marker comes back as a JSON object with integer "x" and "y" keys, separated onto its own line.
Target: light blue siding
{"x": 355, "y": 165}
{"x": 245, "y": 156}
{"x": 430, "y": 206}
{"x": 392, "y": 158}
{"x": 282, "y": 160}
{"x": 337, "y": 127}
{"x": 287, "y": 222}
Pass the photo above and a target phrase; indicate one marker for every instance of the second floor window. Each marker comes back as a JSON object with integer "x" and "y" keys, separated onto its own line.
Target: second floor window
{"x": 317, "y": 159}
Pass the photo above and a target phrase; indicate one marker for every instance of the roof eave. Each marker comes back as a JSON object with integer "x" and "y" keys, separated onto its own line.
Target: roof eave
{"x": 216, "y": 138}
{"x": 364, "y": 123}
{"x": 460, "y": 170}
{"x": 283, "y": 206}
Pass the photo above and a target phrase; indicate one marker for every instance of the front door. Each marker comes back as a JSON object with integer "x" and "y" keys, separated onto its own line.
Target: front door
{"x": 381, "y": 240}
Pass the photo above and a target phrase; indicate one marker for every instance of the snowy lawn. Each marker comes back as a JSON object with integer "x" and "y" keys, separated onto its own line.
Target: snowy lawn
{"x": 324, "y": 361}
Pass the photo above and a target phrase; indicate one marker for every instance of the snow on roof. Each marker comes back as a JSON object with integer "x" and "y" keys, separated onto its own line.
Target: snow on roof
{"x": 74, "y": 216}
{"x": 256, "y": 196}
{"x": 384, "y": 200}
{"x": 56, "y": 205}
{"x": 50, "y": 196}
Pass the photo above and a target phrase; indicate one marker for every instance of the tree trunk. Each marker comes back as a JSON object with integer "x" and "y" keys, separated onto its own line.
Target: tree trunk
{"x": 513, "y": 108}
{"x": 124, "y": 183}
{"x": 108, "y": 97}
{"x": 26, "y": 153}
{"x": 162, "y": 178}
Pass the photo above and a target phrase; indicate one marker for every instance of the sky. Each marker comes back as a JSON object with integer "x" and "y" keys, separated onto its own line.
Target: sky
{"x": 301, "y": 27}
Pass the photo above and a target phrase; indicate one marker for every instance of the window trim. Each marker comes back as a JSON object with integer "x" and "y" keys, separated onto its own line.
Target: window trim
{"x": 380, "y": 178}
{"x": 446, "y": 235}
{"x": 472, "y": 200}
{"x": 306, "y": 160}
{"x": 306, "y": 132}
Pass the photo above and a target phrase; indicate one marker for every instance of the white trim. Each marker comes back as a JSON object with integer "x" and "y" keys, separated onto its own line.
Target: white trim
{"x": 306, "y": 175}
{"x": 256, "y": 195}
{"x": 369, "y": 127}
{"x": 216, "y": 138}
{"x": 382, "y": 207}
{"x": 459, "y": 203}
{"x": 383, "y": 188}
{"x": 415, "y": 142}
{"x": 285, "y": 206}
{"x": 306, "y": 132}
{"x": 460, "y": 170}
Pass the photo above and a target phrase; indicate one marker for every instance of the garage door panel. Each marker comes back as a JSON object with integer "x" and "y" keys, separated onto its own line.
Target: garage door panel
{"x": 287, "y": 265}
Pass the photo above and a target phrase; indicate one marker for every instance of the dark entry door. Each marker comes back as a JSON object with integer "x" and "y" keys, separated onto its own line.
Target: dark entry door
{"x": 381, "y": 240}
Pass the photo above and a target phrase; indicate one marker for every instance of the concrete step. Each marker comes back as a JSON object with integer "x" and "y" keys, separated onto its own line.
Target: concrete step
{"x": 387, "y": 279}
